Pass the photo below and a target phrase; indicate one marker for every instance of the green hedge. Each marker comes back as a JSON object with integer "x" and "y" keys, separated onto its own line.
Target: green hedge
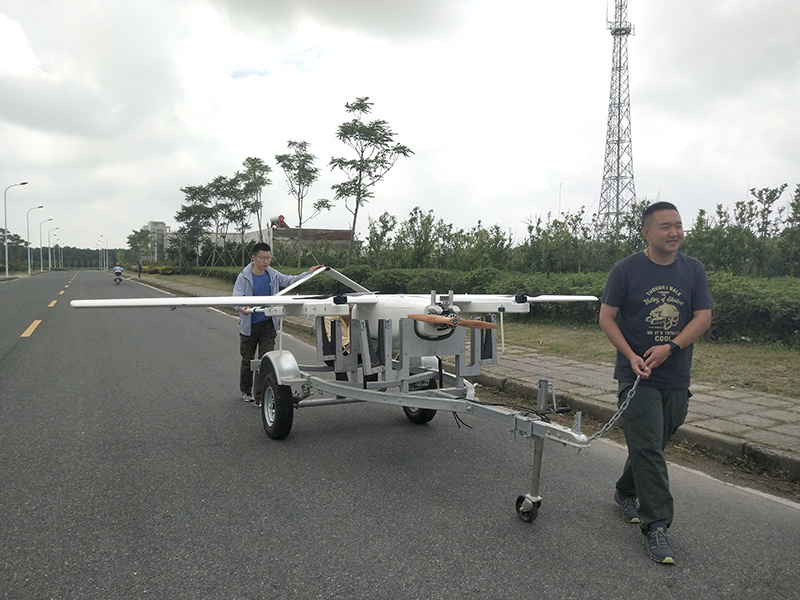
{"x": 762, "y": 310}
{"x": 758, "y": 309}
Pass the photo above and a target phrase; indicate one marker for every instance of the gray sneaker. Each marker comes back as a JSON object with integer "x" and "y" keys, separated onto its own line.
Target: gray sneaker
{"x": 630, "y": 507}
{"x": 658, "y": 546}
{"x": 247, "y": 397}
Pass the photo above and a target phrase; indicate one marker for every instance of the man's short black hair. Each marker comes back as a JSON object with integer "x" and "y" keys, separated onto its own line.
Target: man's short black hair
{"x": 261, "y": 247}
{"x": 655, "y": 207}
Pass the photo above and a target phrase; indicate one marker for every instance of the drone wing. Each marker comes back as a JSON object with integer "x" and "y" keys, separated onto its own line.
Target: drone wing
{"x": 272, "y": 305}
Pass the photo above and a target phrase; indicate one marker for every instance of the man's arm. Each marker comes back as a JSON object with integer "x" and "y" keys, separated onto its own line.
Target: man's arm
{"x": 608, "y": 323}
{"x": 240, "y": 289}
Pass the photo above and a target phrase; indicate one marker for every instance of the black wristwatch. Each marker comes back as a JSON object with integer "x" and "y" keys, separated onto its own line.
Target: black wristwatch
{"x": 674, "y": 348}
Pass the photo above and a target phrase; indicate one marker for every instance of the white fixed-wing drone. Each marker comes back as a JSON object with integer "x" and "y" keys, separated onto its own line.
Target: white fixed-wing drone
{"x": 395, "y": 356}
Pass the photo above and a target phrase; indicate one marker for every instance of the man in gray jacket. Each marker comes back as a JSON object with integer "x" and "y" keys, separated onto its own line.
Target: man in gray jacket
{"x": 257, "y": 331}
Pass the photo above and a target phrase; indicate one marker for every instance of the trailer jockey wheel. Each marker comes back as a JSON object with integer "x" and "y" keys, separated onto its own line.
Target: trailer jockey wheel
{"x": 277, "y": 405}
{"x": 528, "y": 507}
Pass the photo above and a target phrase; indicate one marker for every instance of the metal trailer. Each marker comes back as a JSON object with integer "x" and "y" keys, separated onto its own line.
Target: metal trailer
{"x": 409, "y": 373}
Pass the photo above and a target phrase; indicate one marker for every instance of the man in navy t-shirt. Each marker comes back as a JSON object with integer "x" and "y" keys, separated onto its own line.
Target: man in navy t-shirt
{"x": 656, "y": 303}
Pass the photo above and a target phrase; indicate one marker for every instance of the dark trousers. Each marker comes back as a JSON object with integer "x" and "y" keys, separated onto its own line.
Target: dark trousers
{"x": 652, "y": 417}
{"x": 262, "y": 340}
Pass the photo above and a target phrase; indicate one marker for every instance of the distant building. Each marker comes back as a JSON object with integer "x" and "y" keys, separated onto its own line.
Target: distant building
{"x": 281, "y": 232}
{"x": 160, "y": 232}
{"x": 337, "y": 238}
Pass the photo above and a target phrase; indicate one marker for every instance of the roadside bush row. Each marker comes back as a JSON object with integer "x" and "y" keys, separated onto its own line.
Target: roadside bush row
{"x": 765, "y": 310}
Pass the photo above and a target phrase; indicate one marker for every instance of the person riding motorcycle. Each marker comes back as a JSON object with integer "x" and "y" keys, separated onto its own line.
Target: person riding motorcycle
{"x": 117, "y": 273}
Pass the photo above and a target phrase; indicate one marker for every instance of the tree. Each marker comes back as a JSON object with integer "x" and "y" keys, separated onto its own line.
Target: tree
{"x": 301, "y": 173}
{"x": 195, "y": 214}
{"x": 766, "y": 198}
{"x": 379, "y": 241}
{"x": 789, "y": 239}
{"x": 240, "y": 206}
{"x": 141, "y": 244}
{"x": 17, "y": 252}
{"x": 221, "y": 194}
{"x": 375, "y": 154}
{"x": 417, "y": 235}
{"x": 254, "y": 179}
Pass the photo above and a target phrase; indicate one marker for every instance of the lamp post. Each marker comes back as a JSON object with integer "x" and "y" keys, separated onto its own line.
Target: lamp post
{"x": 28, "y": 227}
{"x": 53, "y": 251}
{"x": 105, "y": 243}
{"x": 48, "y": 246}
{"x": 5, "y": 218}
{"x": 41, "y": 260}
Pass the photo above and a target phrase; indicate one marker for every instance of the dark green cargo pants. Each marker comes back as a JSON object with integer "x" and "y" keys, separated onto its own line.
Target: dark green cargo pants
{"x": 652, "y": 417}
{"x": 262, "y": 340}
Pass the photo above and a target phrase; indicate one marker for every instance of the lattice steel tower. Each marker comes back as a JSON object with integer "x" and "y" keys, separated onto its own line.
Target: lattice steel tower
{"x": 618, "y": 191}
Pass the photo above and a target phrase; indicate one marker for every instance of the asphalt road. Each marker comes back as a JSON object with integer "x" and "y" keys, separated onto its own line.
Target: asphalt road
{"x": 131, "y": 469}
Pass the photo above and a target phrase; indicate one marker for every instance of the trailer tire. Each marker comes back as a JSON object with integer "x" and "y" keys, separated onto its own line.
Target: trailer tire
{"x": 277, "y": 405}
{"x": 421, "y": 415}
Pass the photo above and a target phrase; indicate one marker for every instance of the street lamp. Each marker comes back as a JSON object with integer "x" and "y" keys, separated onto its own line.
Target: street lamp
{"x": 28, "y": 226}
{"x": 105, "y": 241}
{"x": 5, "y": 217}
{"x": 53, "y": 251}
{"x": 41, "y": 260}
{"x": 48, "y": 246}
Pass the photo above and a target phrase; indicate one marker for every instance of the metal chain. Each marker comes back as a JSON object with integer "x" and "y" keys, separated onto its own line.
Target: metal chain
{"x": 619, "y": 412}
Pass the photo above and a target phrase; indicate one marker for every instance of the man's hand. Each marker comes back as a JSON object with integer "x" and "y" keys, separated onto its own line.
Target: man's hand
{"x": 640, "y": 367}
{"x": 657, "y": 355}
{"x": 246, "y": 310}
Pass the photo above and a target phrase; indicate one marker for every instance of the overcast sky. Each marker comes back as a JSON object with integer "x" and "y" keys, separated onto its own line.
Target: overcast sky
{"x": 109, "y": 107}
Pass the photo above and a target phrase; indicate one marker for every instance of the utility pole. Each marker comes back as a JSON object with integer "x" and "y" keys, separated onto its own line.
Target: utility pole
{"x": 618, "y": 191}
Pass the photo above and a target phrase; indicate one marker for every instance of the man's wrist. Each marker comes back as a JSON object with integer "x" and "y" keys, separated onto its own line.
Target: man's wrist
{"x": 673, "y": 348}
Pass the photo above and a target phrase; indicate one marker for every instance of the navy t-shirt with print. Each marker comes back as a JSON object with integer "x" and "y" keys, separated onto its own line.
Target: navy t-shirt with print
{"x": 261, "y": 287}
{"x": 655, "y": 303}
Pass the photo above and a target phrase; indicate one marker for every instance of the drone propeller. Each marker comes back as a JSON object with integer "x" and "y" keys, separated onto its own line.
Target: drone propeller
{"x": 453, "y": 321}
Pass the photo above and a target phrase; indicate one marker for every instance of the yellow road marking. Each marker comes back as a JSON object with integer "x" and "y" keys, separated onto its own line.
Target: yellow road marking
{"x": 61, "y": 292}
{"x": 52, "y": 304}
{"x": 29, "y": 330}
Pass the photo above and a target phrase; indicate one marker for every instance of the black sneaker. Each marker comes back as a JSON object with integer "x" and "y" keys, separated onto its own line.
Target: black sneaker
{"x": 247, "y": 396}
{"x": 658, "y": 546}
{"x": 630, "y": 507}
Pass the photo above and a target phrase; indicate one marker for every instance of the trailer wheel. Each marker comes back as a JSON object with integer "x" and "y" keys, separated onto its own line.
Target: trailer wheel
{"x": 419, "y": 415}
{"x": 277, "y": 406}
{"x": 527, "y": 509}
